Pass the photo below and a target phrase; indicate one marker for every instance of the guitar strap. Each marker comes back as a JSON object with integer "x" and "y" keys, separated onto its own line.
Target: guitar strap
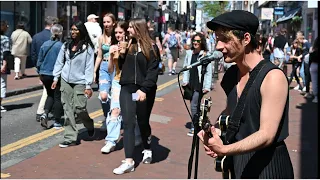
{"x": 234, "y": 124}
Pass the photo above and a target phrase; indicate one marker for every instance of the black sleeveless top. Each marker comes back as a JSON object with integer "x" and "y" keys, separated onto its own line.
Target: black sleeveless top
{"x": 250, "y": 121}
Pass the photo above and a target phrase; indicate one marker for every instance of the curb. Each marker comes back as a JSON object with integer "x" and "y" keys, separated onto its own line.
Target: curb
{"x": 22, "y": 91}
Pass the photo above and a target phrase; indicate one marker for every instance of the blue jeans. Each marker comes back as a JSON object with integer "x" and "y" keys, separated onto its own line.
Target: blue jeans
{"x": 302, "y": 73}
{"x": 105, "y": 78}
{"x": 194, "y": 105}
{"x": 114, "y": 124}
{"x": 113, "y": 128}
{"x": 115, "y": 94}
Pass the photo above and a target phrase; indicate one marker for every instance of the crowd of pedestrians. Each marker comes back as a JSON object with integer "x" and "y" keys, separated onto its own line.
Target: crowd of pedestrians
{"x": 282, "y": 52}
{"x": 125, "y": 58}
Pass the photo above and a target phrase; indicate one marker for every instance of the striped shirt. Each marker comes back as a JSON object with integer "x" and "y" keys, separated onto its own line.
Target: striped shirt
{"x": 5, "y": 46}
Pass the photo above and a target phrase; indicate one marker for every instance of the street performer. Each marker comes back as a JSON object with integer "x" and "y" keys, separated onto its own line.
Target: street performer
{"x": 258, "y": 149}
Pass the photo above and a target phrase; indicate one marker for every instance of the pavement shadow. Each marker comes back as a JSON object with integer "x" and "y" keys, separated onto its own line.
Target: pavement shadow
{"x": 159, "y": 152}
{"x": 30, "y": 76}
{"x": 309, "y": 140}
{"x": 17, "y": 106}
{"x": 98, "y": 135}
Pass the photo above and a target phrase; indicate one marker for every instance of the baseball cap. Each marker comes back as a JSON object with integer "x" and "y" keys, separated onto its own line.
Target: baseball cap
{"x": 92, "y": 16}
{"x": 236, "y": 20}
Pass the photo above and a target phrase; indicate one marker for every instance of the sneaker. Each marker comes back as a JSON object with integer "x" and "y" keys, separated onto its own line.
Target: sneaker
{"x": 65, "y": 144}
{"x": 38, "y": 117}
{"x": 124, "y": 168}
{"x": 3, "y": 109}
{"x": 169, "y": 74}
{"x": 304, "y": 89}
{"x": 57, "y": 125}
{"x": 173, "y": 72}
{"x": 147, "y": 156}
{"x": 308, "y": 95}
{"x": 108, "y": 147}
{"x": 315, "y": 100}
{"x": 191, "y": 132}
{"x": 296, "y": 88}
{"x": 44, "y": 120}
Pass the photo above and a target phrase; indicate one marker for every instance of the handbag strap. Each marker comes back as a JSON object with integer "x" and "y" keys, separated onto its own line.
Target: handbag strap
{"x": 234, "y": 124}
{"x": 49, "y": 49}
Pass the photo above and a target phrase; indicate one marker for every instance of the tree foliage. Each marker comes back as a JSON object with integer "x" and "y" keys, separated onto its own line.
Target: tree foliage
{"x": 214, "y": 8}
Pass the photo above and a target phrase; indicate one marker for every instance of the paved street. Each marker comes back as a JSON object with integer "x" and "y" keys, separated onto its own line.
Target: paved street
{"x": 28, "y": 151}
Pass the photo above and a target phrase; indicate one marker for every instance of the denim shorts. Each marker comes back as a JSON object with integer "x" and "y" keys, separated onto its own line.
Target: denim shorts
{"x": 115, "y": 95}
{"x": 105, "y": 78}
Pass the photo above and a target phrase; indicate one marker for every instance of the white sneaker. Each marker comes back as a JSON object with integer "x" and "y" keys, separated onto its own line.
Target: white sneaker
{"x": 3, "y": 109}
{"x": 296, "y": 88}
{"x": 124, "y": 168}
{"x": 108, "y": 147}
{"x": 147, "y": 156}
{"x": 304, "y": 89}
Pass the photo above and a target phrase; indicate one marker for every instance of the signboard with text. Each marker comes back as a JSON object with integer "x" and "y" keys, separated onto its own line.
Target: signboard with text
{"x": 278, "y": 11}
{"x": 267, "y": 13}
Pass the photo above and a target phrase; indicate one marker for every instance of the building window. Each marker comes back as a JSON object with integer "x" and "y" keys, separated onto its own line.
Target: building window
{"x": 309, "y": 22}
{"x": 16, "y": 11}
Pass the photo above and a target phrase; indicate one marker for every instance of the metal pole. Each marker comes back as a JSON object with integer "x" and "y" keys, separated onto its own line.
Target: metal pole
{"x": 216, "y": 71}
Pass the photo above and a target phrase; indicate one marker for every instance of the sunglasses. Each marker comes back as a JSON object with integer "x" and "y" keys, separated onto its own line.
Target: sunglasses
{"x": 75, "y": 30}
{"x": 198, "y": 41}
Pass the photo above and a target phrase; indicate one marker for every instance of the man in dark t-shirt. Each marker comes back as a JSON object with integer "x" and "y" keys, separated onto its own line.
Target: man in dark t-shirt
{"x": 257, "y": 148}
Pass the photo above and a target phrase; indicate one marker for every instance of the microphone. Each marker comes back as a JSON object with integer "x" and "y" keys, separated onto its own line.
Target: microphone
{"x": 204, "y": 60}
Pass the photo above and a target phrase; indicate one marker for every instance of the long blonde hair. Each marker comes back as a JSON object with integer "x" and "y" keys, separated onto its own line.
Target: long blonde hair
{"x": 143, "y": 37}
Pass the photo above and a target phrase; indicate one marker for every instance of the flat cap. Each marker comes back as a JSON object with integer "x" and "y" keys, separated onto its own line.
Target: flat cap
{"x": 236, "y": 20}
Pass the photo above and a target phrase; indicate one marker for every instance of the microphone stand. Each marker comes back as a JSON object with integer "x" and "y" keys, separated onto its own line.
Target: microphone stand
{"x": 195, "y": 121}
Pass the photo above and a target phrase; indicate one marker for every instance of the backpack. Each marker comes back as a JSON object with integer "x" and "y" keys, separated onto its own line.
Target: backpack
{"x": 173, "y": 41}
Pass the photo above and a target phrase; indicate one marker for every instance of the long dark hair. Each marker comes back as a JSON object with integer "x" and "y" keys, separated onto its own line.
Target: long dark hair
{"x": 315, "y": 46}
{"x": 123, "y": 25}
{"x": 203, "y": 43}
{"x": 84, "y": 37}
{"x": 4, "y": 25}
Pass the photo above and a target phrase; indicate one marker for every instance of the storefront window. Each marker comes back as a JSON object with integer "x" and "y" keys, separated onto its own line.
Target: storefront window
{"x": 15, "y": 11}
{"x": 69, "y": 12}
{"x": 7, "y": 14}
{"x": 22, "y": 13}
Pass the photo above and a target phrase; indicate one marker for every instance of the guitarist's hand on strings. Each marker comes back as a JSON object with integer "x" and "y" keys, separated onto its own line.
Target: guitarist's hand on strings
{"x": 213, "y": 146}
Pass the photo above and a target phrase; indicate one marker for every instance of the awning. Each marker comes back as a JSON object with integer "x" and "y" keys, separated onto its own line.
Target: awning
{"x": 289, "y": 15}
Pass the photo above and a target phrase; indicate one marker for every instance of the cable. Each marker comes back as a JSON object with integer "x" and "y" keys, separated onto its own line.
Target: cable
{"x": 184, "y": 101}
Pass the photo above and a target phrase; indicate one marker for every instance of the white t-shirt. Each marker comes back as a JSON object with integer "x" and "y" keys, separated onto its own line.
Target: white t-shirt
{"x": 95, "y": 32}
{"x": 278, "y": 53}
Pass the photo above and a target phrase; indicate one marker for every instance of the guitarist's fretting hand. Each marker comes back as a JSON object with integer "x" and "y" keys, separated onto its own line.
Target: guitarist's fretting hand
{"x": 213, "y": 146}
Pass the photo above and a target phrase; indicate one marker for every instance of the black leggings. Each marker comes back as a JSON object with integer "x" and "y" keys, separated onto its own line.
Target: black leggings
{"x": 53, "y": 99}
{"x": 295, "y": 66}
{"x": 132, "y": 110}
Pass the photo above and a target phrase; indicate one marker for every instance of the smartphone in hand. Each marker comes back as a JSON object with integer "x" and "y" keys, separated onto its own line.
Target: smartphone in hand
{"x": 135, "y": 97}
